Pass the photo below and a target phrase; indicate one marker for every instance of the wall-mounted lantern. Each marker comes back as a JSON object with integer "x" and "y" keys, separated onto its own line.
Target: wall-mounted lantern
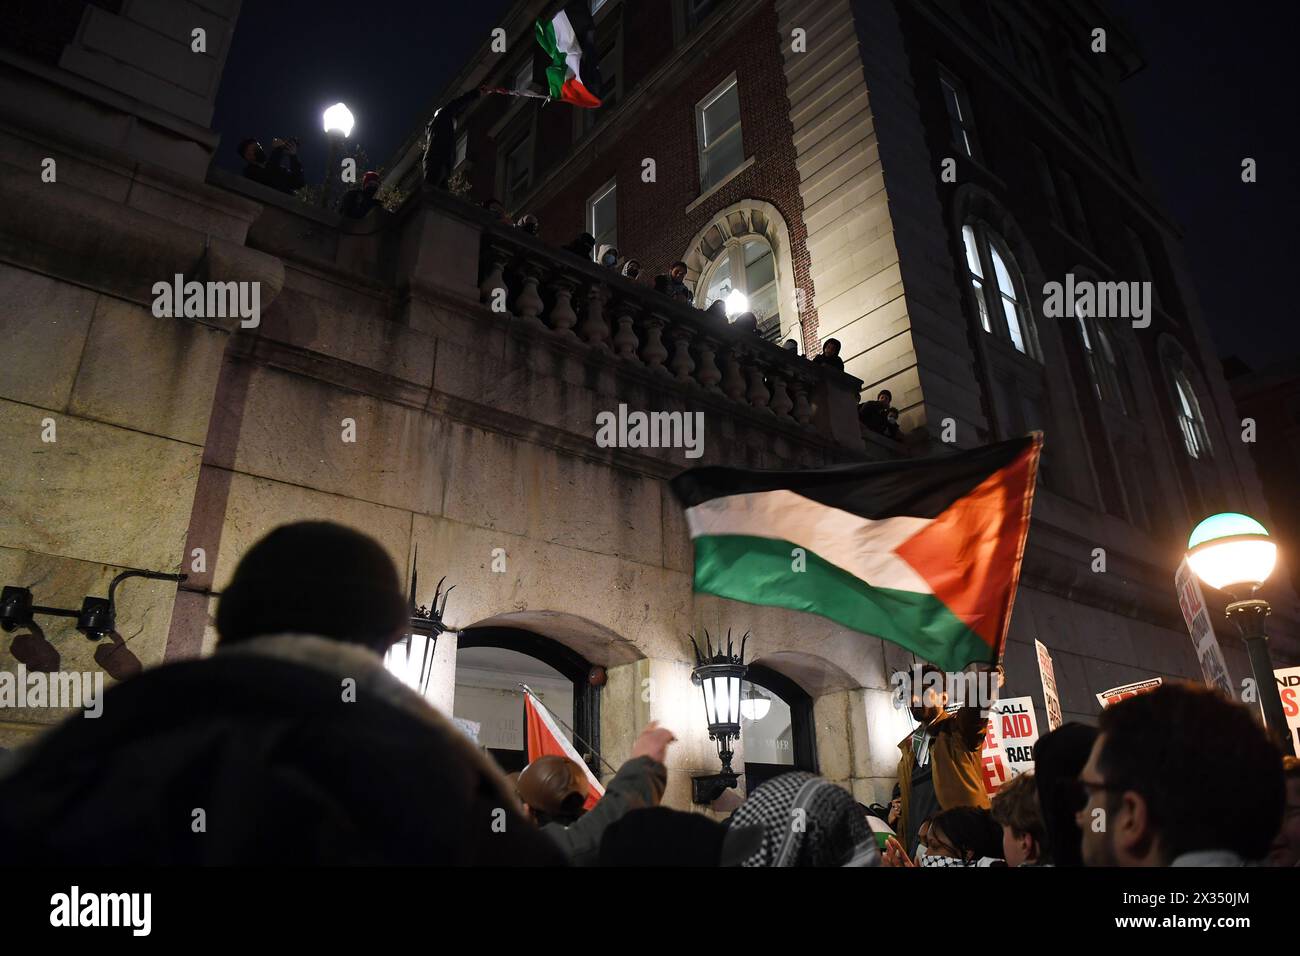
{"x": 719, "y": 674}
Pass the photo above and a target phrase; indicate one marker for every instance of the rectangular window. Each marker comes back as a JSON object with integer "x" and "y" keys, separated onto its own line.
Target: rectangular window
{"x": 597, "y": 4}
{"x": 959, "y": 113}
{"x": 609, "y": 60}
{"x": 717, "y": 122}
{"x": 602, "y": 216}
{"x": 518, "y": 171}
{"x": 462, "y": 149}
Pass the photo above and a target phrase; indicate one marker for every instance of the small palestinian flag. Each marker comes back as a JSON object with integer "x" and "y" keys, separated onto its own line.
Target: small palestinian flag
{"x": 545, "y": 737}
{"x": 564, "y": 63}
{"x": 923, "y": 553}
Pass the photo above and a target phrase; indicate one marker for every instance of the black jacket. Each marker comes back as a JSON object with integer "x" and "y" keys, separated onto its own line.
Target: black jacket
{"x": 284, "y": 769}
{"x": 356, "y": 204}
{"x": 274, "y": 174}
{"x": 440, "y": 150}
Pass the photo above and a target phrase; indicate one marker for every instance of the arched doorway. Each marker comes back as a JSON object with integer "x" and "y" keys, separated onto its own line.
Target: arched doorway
{"x": 776, "y": 725}
{"x": 490, "y": 664}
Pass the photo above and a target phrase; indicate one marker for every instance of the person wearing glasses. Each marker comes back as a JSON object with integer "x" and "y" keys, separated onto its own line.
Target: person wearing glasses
{"x": 1161, "y": 764}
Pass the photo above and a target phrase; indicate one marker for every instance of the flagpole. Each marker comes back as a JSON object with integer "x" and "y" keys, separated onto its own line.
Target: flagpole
{"x": 529, "y": 691}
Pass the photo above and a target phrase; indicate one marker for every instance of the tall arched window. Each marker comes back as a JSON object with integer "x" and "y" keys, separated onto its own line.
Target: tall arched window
{"x": 1190, "y": 420}
{"x": 999, "y": 289}
{"x": 1109, "y": 379}
{"x": 747, "y": 266}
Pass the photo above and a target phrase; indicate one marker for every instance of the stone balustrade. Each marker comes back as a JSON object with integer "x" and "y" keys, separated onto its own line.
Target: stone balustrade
{"x": 546, "y": 289}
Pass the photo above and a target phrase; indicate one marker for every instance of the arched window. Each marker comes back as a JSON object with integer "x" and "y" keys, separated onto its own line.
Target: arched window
{"x": 746, "y": 265}
{"x": 1195, "y": 438}
{"x": 1108, "y": 376}
{"x": 776, "y": 726}
{"x": 491, "y": 662}
{"x": 999, "y": 289}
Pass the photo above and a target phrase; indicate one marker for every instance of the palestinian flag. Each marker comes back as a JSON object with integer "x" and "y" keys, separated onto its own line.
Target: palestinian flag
{"x": 564, "y": 64}
{"x": 923, "y": 553}
{"x": 545, "y": 737}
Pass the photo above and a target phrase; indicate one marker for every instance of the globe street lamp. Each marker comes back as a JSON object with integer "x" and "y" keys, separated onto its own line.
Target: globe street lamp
{"x": 338, "y": 124}
{"x": 1233, "y": 553}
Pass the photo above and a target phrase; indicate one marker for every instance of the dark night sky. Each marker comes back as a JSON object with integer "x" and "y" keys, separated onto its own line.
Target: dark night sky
{"x": 386, "y": 59}
{"x": 1216, "y": 89}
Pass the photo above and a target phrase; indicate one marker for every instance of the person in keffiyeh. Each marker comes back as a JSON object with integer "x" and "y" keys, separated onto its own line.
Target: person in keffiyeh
{"x": 809, "y": 822}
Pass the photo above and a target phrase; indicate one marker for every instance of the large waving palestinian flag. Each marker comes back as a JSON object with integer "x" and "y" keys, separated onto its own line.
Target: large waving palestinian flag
{"x": 564, "y": 64}
{"x": 924, "y": 553}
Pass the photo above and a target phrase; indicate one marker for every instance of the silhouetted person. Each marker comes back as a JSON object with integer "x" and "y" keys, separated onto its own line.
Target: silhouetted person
{"x": 830, "y": 355}
{"x": 582, "y": 245}
{"x": 270, "y": 170}
{"x": 880, "y": 417}
{"x": 791, "y": 345}
{"x": 1059, "y": 757}
{"x": 358, "y": 201}
{"x": 631, "y": 269}
{"x": 293, "y": 738}
{"x": 440, "y": 145}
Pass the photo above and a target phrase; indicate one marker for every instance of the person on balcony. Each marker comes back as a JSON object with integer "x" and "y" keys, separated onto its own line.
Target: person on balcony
{"x": 880, "y": 417}
{"x": 271, "y": 171}
{"x": 529, "y": 223}
{"x": 582, "y": 246}
{"x": 830, "y": 355}
{"x": 440, "y": 149}
{"x": 608, "y": 257}
{"x": 631, "y": 269}
{"x": 673, "y": 283}
{"x": 357, "y": 202}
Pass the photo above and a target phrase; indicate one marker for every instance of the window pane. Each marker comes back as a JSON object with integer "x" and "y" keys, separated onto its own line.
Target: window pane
{"x": 765, "y": 726}
{"x": 760, "y": 265}
{"x": 764, "y": 304}
{"x": 1012, "y": 312}
{"x": 604, "y": 218}
{"x": 722, "y": 158}
{"x": 719, "y": 282}
{"x": 984, "y": 309}
{"x": 1005, "y": 285}
{"x": 972, "y": 252}
{"x": 721, "y": 115}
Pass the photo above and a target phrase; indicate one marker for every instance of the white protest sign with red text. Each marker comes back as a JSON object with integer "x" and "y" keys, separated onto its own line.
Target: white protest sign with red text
{"x": 1009, "y": 741}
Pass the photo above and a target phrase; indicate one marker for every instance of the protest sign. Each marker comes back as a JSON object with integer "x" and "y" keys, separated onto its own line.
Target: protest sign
{"x": 1288, "y": 688}
{"x": 1009, "y": 741}
{"x": 1113, "y": 696}
{"x": 1197, "y": 617}
{"x": 1051, "y": 701}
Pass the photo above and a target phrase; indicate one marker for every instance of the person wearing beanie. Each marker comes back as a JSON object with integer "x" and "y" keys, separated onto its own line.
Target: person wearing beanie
{"x": 296, "y": 743}
{"x": 357, "y": 202}
{"x": 270, "y": 170}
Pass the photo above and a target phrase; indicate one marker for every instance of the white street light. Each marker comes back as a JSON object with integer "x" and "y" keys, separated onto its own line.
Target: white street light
{"x": 338, "y": 119}
{"x": 1231, "y": 552}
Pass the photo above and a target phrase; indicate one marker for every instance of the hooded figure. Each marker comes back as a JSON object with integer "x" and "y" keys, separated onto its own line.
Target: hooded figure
{"x": 358, "y": 202}
{"x": 301, "y": 748}
{"x": 440, "y": 148}
{"x": 834, "y": 832}
{"x": 608, "y": 256}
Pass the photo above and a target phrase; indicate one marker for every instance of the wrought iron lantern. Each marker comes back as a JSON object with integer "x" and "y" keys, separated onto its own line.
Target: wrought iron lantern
{"x": 719, "y": 674}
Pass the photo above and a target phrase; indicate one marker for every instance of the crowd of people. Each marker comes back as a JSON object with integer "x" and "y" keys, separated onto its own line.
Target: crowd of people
{"x": 293, "y": 744}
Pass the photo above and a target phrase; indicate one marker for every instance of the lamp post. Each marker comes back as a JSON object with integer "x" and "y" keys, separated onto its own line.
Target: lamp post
{"x": 718, "y": 674}
{"x": 1233, "y": 553}
{"x": 338, "y": 127}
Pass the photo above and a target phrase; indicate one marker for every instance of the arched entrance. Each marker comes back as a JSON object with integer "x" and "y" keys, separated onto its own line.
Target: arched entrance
{"x": 776, "y": 725}
{"x": 491, "y": 662}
